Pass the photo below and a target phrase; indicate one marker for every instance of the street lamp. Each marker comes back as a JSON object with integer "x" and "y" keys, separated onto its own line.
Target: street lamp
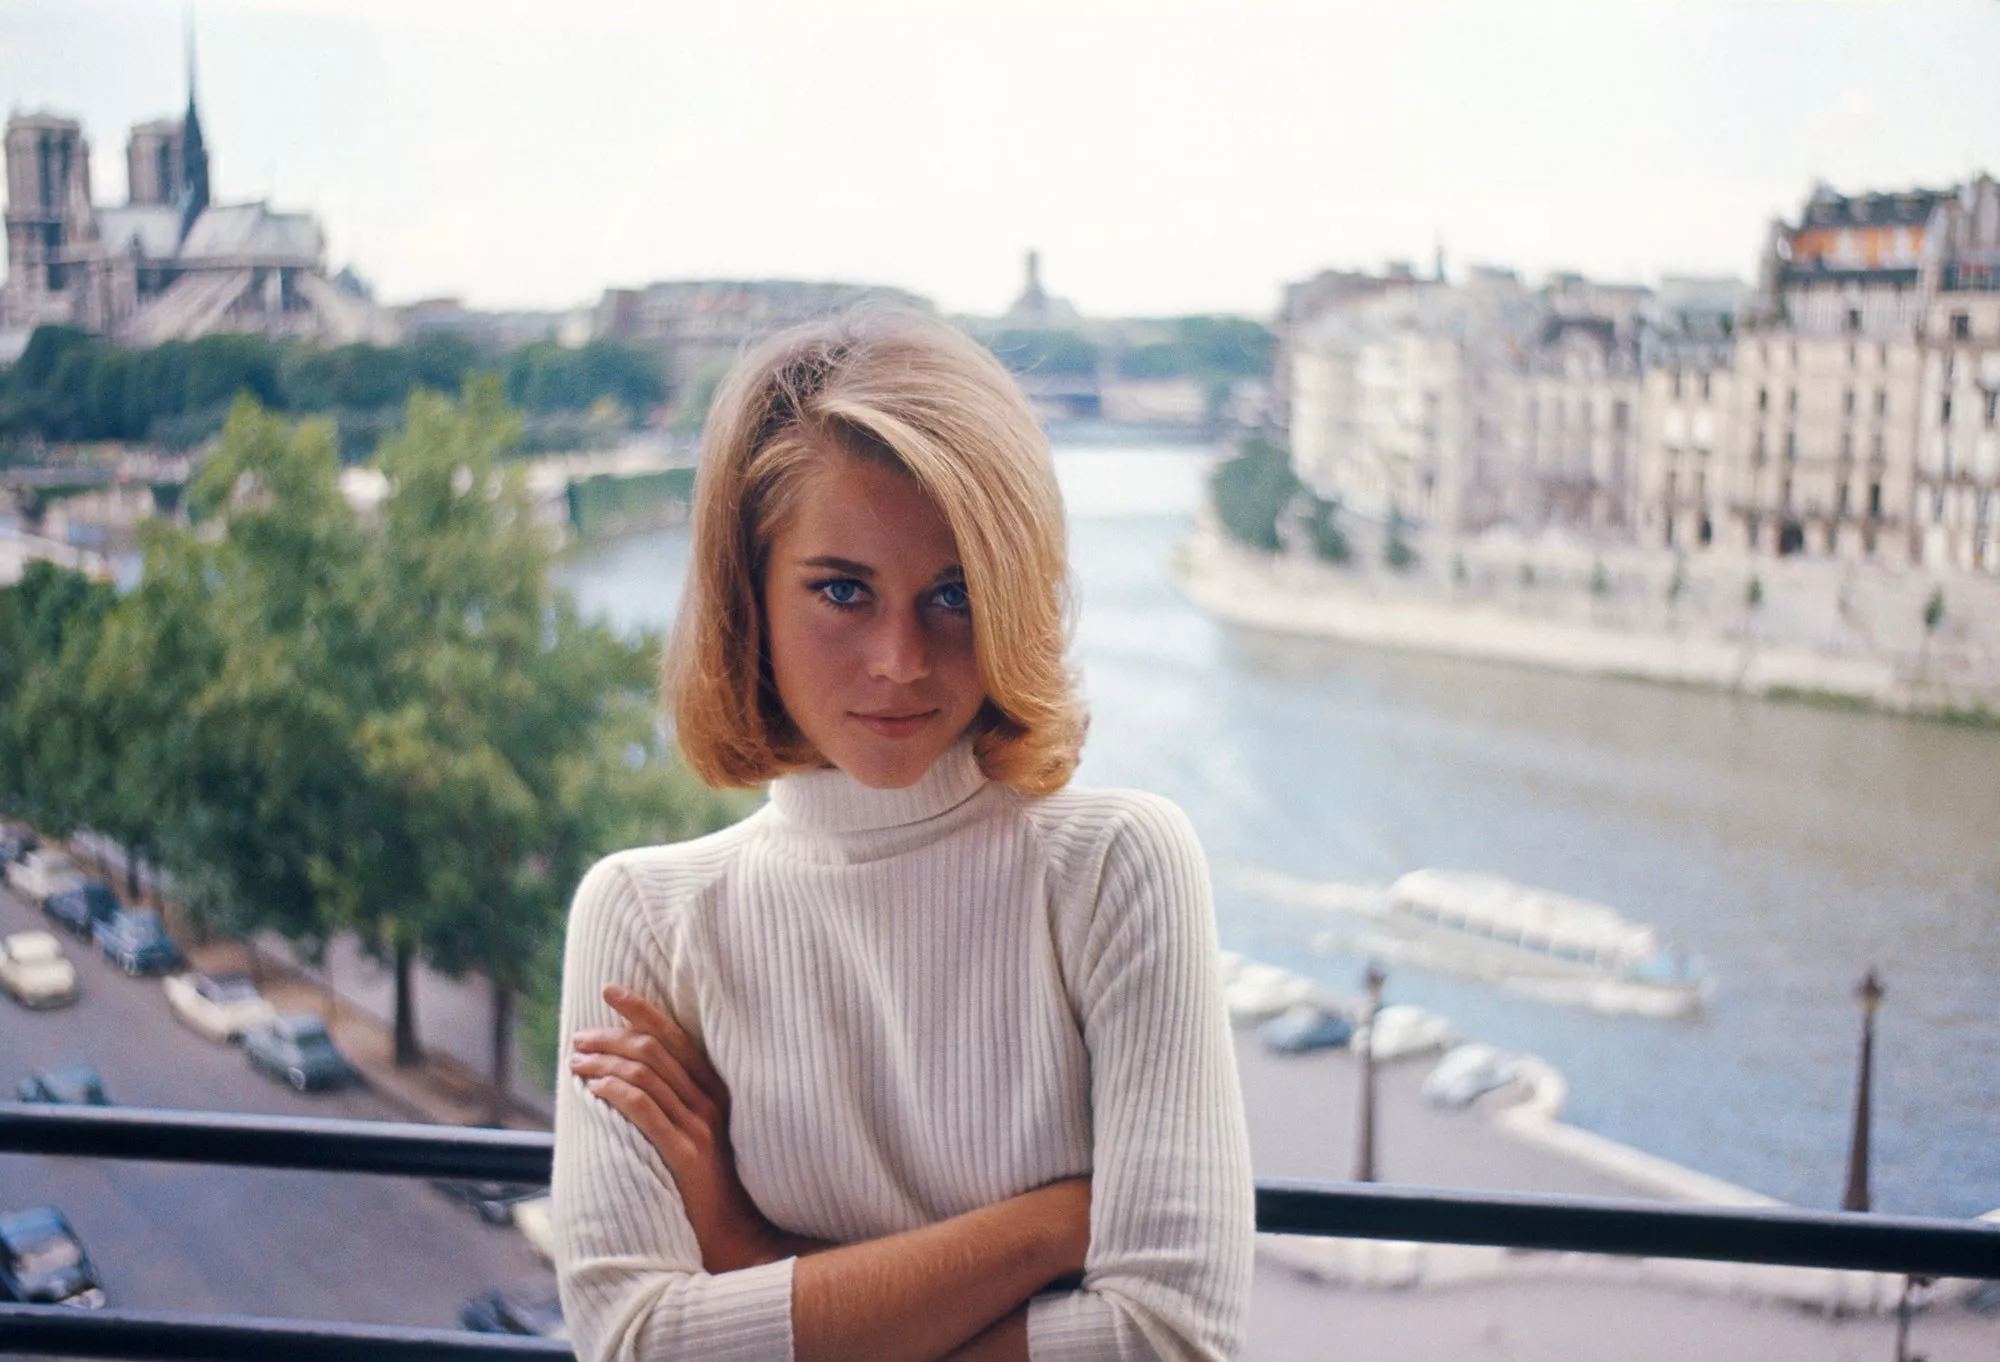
{"x": 1364, "y": 1154}
{"x": 1856, "y": 1198}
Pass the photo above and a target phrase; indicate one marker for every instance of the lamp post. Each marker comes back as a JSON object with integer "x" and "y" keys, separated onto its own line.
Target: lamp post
{"x": 1364, "y": 1154}
{"x": 1856, "y": 1197}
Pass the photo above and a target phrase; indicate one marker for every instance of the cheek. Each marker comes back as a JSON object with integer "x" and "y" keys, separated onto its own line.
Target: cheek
{"x": 807, "y": 648}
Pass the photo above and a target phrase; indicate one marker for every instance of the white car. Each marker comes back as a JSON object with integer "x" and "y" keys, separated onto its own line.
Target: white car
{"x": 1467, "y": 1073}
{"x": 42, "y": 874}
{"x": 535, "y": 1219}
{"x": 34, "y": 970}
{"x": 221, "y": 1006}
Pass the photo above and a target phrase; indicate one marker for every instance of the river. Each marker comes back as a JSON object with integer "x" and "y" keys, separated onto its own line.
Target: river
{"x": 1790, "y": 847}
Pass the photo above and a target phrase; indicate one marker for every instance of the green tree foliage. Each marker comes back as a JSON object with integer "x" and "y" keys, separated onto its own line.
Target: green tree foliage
{"x": 70, "y": 385}
{"x": 1046, "y": 352}
{"x": 1396, "y": 550}
{"x": 1208, "y": 348}
{"x": 321, "y": 725}
{"x": 1252, "y": 490}
{"x": 1329, "y": 541}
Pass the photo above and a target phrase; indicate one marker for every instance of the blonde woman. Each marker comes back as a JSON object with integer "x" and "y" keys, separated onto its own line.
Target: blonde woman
{"x": 926, "y": 1058}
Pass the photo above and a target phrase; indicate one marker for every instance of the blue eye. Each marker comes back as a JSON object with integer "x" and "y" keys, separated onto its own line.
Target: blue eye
{"x": 953, "y": 597}
{"x": 843, "y": 593}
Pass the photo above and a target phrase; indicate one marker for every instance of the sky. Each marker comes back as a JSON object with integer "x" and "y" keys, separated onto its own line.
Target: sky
{"x": 1165, "y": 156}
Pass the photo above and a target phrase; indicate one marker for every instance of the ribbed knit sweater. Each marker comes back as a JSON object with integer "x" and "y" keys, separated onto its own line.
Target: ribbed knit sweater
{"x": 923, "y": 1001}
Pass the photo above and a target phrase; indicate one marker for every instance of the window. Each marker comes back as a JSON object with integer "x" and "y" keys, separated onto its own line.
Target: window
{"x": 1875, "y": 447}
{"x": 1841, "y": 511}
{"x": 1677, "y": 384}
{"x": 1993, "y": 406}
{"x": 1853, "y": 354}
{"x": 1875, "y": 500}
{"x": 1757, "y": 451}
{"x": 1853, "y": 319}
{"x": 1961, "y": 326}
{"x": 1881, "y": 401}
{"x": 1846, "y": 446}
{"x": 1791, "y": 399}
{"x": 1763, "y": 399}
{"x": 1791, "y": 445}
{"x": 1621, "y": 414}
{"x": 1882, "y": 355}
{"x": 1847, "y": 402}
{"x": 1704, "y": 385}
{"x": 1944, "y": 410}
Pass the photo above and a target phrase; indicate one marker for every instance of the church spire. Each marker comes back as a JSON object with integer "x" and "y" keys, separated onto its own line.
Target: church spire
{"x": 194, "y": 155}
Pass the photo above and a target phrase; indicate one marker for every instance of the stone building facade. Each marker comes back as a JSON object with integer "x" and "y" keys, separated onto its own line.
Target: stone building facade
{"x": 1847, "y": 406}
{"x": 167, "y": 264}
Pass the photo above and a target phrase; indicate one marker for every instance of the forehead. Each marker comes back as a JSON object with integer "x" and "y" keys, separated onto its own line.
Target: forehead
{"x": 865, "y": 510}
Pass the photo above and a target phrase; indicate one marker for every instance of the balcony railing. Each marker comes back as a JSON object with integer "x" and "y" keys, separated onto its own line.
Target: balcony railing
{"x": 1779, "y": 1236}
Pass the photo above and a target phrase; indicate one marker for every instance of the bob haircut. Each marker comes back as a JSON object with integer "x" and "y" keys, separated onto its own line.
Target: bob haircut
{"x": 914, "y": 395}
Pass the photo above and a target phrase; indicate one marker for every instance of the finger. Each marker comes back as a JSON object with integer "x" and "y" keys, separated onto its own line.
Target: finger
{"x": 655, "y": 1021}
{"x": 648, "y": 1049}
{"x": 675, "y": 1149}
{"x": 648, "y": 1080}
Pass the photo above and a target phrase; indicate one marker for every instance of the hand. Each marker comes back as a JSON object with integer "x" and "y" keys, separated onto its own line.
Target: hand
{"x": 658, "y": 1078}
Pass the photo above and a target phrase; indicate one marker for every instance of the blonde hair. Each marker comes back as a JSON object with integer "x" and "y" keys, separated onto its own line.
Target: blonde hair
{"x": 915, "y": 395}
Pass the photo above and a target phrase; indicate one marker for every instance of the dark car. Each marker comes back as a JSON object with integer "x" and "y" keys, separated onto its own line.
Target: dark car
{"x": 494, "y": 1201}
{"x": 82, "y": 908}
{"x": 137, "y": 942}
{"x": 42, "y": 1261}
{"x": 73, "y": 1085}
{"x": 296, "y": 1049}
{"x": 16, "y": 841}
{"x": 535, "y": 1313}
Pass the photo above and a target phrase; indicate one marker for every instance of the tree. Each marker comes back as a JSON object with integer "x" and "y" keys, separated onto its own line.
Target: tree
{"x": 1252, "y": 490}
{"x": 1329, "y": 541}
{"x": 1933, "y": 617}
{"x": 1396, "y": 552}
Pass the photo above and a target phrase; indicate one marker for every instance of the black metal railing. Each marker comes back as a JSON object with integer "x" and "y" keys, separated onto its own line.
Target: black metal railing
{"x": 1771, "y": 1235}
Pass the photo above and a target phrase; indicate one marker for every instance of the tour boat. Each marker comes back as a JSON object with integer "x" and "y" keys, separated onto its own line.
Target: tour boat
{"x": 1554, "y": 934}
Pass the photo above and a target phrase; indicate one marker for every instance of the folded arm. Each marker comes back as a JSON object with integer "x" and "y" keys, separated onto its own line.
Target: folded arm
{"x": 662, "y": 1255}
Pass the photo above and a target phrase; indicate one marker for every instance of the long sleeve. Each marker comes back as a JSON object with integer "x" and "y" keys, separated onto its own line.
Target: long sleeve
{"x": 626, "y": 1258}
{"x": 1172, "y": 1202}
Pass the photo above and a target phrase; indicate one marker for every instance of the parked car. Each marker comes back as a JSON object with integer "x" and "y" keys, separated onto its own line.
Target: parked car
{"x": 42, "y": 1261}
{"x": 16, "y": 841}
{"x": 494, "y": 1202}
{"x": 220, "y": 1006}
{"x": 1468, "y": 1072}
{"x": 82, "y": 907}
{"x": 137, "y": 942}
{"x": 297, "y": 1050}
{"x": 1298, "y": 1030}
{"x": 73, "y": 1085}
{"x": 42, "y": 872}
{"x": 535, "y": 1219}
{"x": 535, "y": 1313}
{"x": 35, "y": 972}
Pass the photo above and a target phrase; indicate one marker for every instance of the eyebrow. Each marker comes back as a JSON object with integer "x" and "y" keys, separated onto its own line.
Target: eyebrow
{"x": 950, "y": 573}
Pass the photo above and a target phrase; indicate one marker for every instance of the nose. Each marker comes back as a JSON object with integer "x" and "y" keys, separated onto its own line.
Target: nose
{"x": 900, "y": 650}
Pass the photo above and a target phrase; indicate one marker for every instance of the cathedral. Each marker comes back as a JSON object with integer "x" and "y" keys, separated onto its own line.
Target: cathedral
{"x": 167, "y": 264}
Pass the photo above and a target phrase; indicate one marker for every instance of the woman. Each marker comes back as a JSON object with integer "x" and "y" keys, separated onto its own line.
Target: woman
{"x": 926, "y": 1058}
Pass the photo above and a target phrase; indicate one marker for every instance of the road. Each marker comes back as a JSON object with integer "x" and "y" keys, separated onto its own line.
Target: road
{"x": 224, "y": 1240}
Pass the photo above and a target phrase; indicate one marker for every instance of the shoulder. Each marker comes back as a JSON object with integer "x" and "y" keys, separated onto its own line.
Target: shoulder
{"x": 648, "y": 890}
{"x": 1111, "y": 826}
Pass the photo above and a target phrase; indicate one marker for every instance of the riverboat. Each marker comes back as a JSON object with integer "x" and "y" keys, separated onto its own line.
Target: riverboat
{"x": 1563, "y": 938}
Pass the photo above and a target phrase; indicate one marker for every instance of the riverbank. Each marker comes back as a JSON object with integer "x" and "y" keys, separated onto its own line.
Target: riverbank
{"x": 1804, "y": 631}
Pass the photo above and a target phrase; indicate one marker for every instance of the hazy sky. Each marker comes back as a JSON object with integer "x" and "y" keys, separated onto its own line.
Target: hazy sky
{"x": 1166, "y": 156}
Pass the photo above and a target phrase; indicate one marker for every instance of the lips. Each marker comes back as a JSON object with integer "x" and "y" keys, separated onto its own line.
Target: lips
{"x": 895, "y": 725}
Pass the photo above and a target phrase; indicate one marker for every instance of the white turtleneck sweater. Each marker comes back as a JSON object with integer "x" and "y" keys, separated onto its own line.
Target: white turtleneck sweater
{"x": 923, "y": 1001}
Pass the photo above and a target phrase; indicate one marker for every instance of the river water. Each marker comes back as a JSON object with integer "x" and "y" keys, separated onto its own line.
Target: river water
{"x": 1789, "y": 847}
